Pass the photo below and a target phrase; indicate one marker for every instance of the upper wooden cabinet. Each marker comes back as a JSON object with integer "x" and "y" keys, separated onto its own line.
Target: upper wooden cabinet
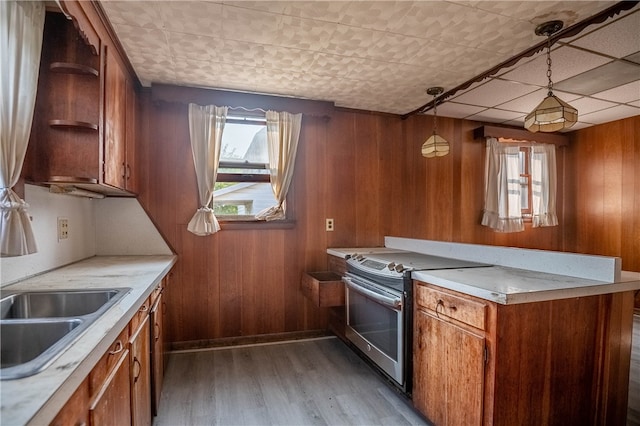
{"x": 83, "y": 132}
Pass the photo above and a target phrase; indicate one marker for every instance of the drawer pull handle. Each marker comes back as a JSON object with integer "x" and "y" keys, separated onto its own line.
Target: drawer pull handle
{"x": 137, "y": 375}
{"x": 439, "y": 305}
{"x": 157, "y": 334}
{"x": 117, "y": 348}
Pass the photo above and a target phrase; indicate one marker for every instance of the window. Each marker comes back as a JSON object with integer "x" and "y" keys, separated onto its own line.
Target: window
{"x": 525, "y": 182}
{"x": 243, "y": 185}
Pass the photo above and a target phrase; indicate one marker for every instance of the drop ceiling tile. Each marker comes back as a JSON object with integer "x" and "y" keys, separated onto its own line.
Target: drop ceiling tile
{"x": 529, "y": 101}
{"x": 494, "y": 92}
{"x": 144, "y": 40}
{"x": 538, "y": 12}
{"x": 607, "y": 39}
{"x": 191, "y": 17}
{"x": 152, "y": 68}
{"x": 326, "y": 11}
{"x": 457, "y": 110}
{"x": 378, "y": 15}
{"x": 495, "y": 116}
{"x": 610, "y": 114}
{"x": 334, "y": 65}
{"x": 397, "y": 48}
{"x": 301, "y": 33}
{"x": 635, "y": 58}
{"x": 624, "y": 94}
{"x": 277, "y": 7}
{"x": 587, "y": 105}
{"x": 249, "y": 25}
{"x": 634, "y": 103}
{"x": 137, "y": 14}
{"x": 201, "y": 47}
{"x": 353, "y": 41}
{"x": 565, "y": 62}
{"x": 602, "y": 78}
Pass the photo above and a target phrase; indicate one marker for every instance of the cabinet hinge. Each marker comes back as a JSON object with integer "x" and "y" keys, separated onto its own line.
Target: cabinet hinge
{"x": 486, "y": 354}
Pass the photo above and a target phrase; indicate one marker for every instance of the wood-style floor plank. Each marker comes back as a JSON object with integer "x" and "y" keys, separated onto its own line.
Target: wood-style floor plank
{"x": 314, "y": 382}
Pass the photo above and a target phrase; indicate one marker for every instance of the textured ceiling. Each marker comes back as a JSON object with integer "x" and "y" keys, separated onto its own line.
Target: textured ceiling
{"x": 382, "y": 55}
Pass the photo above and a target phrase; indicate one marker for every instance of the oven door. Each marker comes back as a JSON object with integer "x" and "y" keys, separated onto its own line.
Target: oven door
{"x": 375, "y": 323}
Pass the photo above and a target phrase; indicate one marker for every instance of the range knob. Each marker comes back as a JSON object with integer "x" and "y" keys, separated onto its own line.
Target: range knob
{"x": 399, "y": 267}
{"x": 391, "y": 266}
{"x": 360, "y": 257}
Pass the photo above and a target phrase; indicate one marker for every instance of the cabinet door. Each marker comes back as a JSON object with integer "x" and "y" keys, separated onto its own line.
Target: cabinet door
{"x": 140, "y": 376}
{"x": 157, "y": 356}
{"x": 114, "y": 121}
{"x": 131, "y": 177}
{"x": 76, "y": 411}
{"x": 112, "y": 405}
{"x": 448, "y": 382}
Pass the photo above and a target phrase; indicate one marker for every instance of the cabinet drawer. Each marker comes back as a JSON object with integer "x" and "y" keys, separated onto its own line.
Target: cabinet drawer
{"x": 139, "y": 316}
{"x": 108, "y": 362}
{"x": 443, "y": 303}
{"x": 155, "y": 293}
{"x": 323, "y": 288}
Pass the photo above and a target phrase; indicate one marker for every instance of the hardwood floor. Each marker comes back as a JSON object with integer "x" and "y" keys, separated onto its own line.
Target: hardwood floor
{"x": 633, "y": 413}
{"x": 313, "y": 382}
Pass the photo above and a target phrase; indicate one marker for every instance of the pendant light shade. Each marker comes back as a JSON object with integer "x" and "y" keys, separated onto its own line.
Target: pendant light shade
{"x": 552, "y": 114}
{"x": 435, "y": 145}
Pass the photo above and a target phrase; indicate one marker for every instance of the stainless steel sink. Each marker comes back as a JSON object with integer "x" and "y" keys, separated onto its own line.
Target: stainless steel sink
{"x": 54, "y": 304}
{"x": 37, "y": 326}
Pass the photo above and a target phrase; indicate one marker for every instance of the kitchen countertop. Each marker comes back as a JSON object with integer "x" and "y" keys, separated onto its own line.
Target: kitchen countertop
{"x": 505, "y": 284}
{"x": 38, "y": 398}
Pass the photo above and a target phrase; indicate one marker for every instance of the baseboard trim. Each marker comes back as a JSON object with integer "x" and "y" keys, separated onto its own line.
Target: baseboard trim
{"x": 261, "y": 339}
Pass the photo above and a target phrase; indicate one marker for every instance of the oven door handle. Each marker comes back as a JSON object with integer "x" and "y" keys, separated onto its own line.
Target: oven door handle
{"x": 393, "y": 302}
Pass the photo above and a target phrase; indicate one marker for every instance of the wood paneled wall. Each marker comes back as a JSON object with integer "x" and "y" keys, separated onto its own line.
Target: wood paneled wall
{"x": 362, "y": 169}
{"x": 604, "y": 191}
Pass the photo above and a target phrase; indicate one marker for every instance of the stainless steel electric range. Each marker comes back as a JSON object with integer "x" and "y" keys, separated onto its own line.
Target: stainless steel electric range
{"x": 379, "y": 313}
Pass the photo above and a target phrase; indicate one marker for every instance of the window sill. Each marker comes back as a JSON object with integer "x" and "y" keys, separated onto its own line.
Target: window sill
{"x": 256, "y": 224}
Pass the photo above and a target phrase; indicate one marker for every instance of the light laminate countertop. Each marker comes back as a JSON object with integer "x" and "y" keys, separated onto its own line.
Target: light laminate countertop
{"x": 509, "y": 285}
{"x": 38, "y": 398}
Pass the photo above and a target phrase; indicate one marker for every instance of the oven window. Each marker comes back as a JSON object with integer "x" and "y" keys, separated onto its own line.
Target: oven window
{"x": 376, "y": 323}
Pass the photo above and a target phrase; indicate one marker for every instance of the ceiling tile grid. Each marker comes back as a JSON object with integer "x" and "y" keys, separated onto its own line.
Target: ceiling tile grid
{"x": 382, "y": 55}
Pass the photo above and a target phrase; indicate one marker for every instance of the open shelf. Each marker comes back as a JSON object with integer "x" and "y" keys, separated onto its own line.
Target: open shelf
{"x": 71, "y": 68}
{"x": 73, "y": 124}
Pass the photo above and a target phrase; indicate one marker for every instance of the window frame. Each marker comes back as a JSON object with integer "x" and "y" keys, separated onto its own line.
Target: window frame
{"x": 525, "y": 173}
{"x": 244, "y": 222}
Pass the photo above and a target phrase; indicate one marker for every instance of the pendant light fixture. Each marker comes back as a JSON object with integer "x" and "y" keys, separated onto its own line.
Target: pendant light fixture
{"x": 435, "y": 146}
{"x": 552, "y": 113}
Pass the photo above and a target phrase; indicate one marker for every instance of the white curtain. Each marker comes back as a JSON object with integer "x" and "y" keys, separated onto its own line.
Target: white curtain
{"x": 502, "y": 208}
{"x": 544, "y": 182}
{"x": 283, "y": 132}
{"x": 21, "y": 28}
{"x": 206, "y": 124}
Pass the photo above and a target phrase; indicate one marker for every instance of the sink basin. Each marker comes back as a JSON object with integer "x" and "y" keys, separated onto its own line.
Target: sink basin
{"x": 37, "y": 326}
{"x": 23, "y": 341}
{"x": 54, "y": 304}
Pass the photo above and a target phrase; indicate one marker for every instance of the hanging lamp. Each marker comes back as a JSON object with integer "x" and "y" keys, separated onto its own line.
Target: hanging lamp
{"x": 435, "y": 146}
{"x": 552, "y": 113}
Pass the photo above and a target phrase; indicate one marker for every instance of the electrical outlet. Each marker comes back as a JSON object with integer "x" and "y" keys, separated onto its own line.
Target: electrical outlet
{"x": 63, "y": 228}
{"x": 329, "y": 224}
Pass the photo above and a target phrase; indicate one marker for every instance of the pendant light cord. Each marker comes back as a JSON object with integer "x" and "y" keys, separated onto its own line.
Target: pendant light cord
{"x": 435, "y": 114}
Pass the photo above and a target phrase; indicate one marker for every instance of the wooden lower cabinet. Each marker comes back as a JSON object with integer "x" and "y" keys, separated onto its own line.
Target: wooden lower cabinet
{"x": 557, "y": 362}
{"x": 112, "y": 404}
{"x": 450, "y": 383}
{"x": 76, "y": 411}
{"x": 118, "y": 389}
{"x": 140, "y": 375}
{"x": 157, "y": 353}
